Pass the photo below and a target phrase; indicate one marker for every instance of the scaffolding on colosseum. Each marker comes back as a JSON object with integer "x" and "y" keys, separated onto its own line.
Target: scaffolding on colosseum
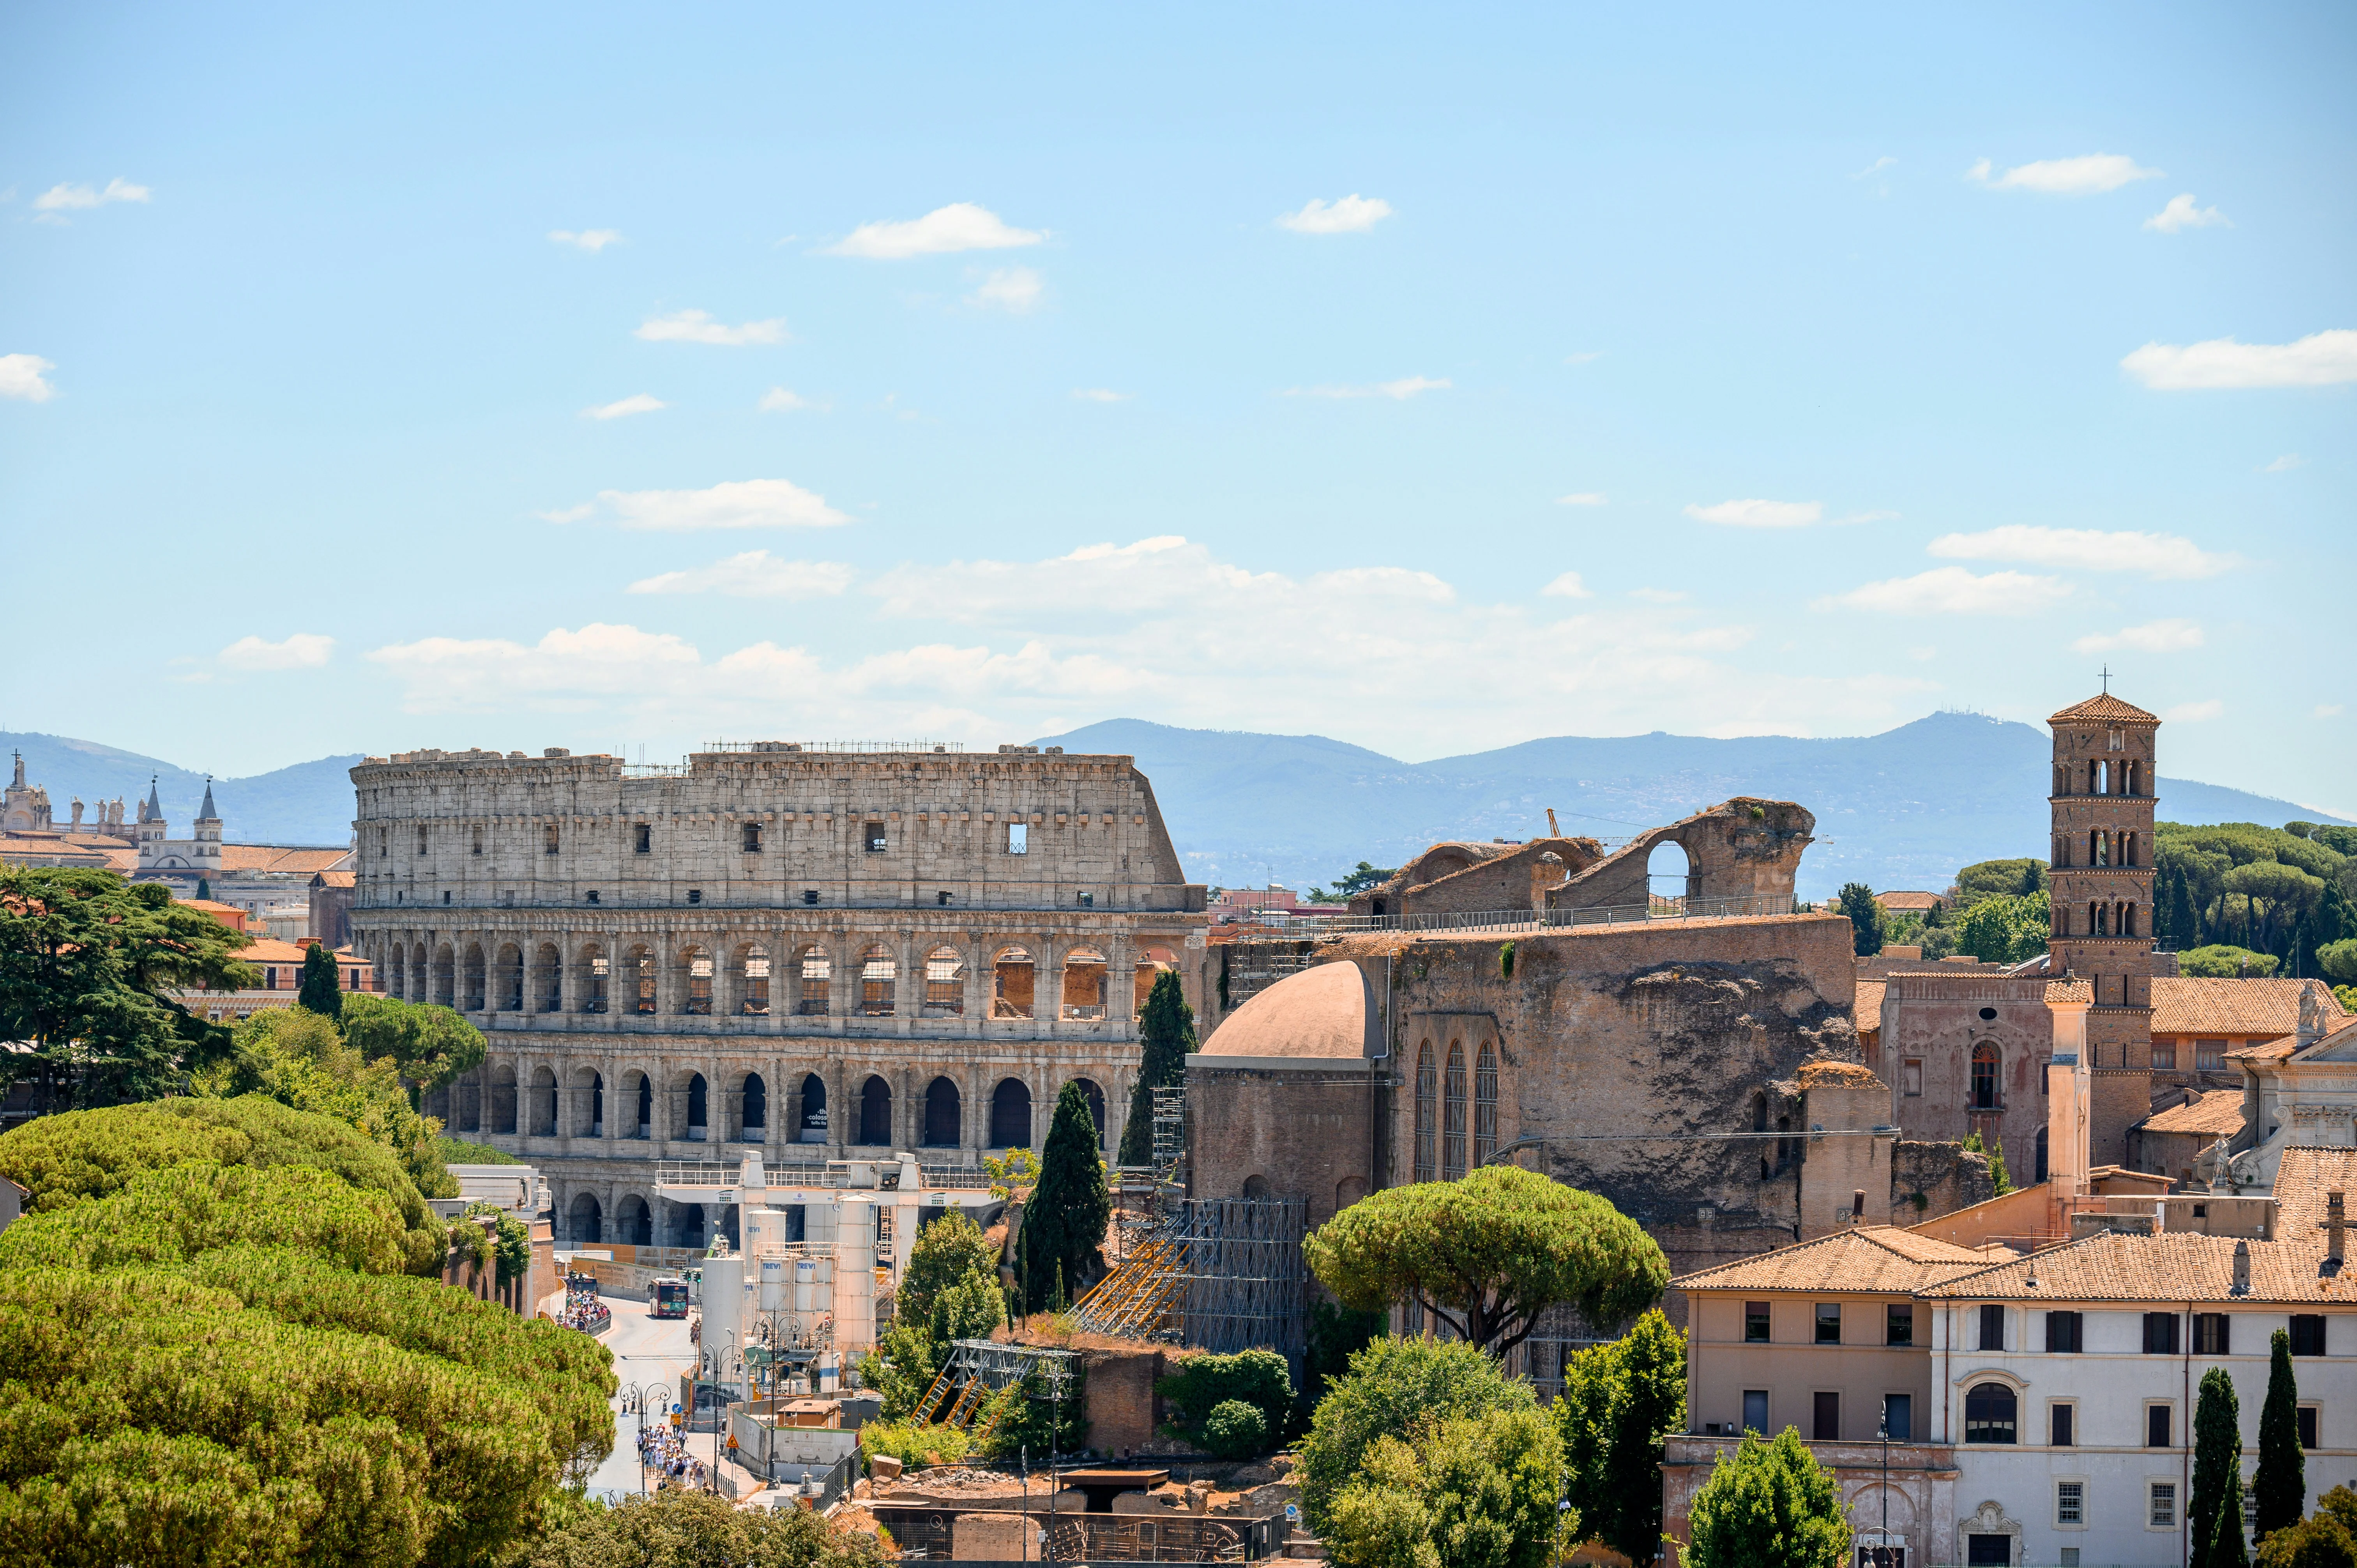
{"x": 1219, "y": 1273}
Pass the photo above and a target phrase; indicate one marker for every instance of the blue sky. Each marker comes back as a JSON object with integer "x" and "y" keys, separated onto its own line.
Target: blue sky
{"x": 1432, "y": 380}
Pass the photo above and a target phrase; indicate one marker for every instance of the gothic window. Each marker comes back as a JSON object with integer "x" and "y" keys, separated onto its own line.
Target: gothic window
{"x": 1452, "y": 1127}
{"x": 1985, "y": 1078}
{"x": 1485, "y": 1106}
{"x": 1426, "y": 1105}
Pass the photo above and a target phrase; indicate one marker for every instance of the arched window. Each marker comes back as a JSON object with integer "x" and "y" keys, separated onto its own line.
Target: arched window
{"x": 396, "y": 981}
{"x": 1485, "y": 1105}
{"x": 698, "y": 1096}
{"x": 582, "y": 1225}
{"x": 634, "y": 1222}
{"x": 642, "y": 980}
{"x": 875, "y": 1112}
{"x": 1989, "y": 1413}
{"x": 1095, "y": 1097}
{"x": 755, "y": 1117}
{"x": 1011, "y": 979}
{"x": 499, "y": 1114}
{"x": 511, "y": 986}
{"x": 543, "y": 1102}
{"x": 817, "y": 973}
{"x": 687, "y": 1225}
{"x": 1452, "y": 1125}
{"x": 944, "y": 984}
{"x": 941, "y": 1115}
{"x": 1985, "y": 1076}
{"x": 812, "y": 1127}
{"x": 1010, "y": 1114}
{"x": 549, "y": 963}
{"x": 473, "y": 977}
{"x": 597, "y": 1104}
{"x": 1255, "y": 1187}
{"x": 642, "y": 1121}
{"x": 753, "y": 994}
{"x": 1427, "y": 1107}
{"x": 878, "y": 976}
{"x": 596, "y": 975}
{"x": 1085, "y": 983}
{"x": 698, "y": 965}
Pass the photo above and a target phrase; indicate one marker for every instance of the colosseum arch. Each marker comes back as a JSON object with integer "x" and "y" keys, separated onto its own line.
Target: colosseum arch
{"x": 809, "y": 1126}
{"x": 508, "y": 979}
{"x": 593, "y": 980}
{"x": 588, "y": 1119}
{"x": 421, "y": 974}
{"x": 1013, "y": 983}
{"x": 500, "y": 1094}
{"x": 639, "y": 976}
{"x": 474, "y": 978}
{"x": 1096, "y": 1099}
{"x": 547, "y": 979}
{"x": 634, "y": 1222}
{"x": 943, "y": 1115}
{"x": 945, "y": 985}
{"x": 875, "y": 1112}
{"x": 584, "y": 1222}
{"x": 445, "y": 976}
{"x": 696, "y": 981}
{"x": 686, "y": 1224}
{"x": 750, "y": 1102}
{"x": 751, "y": 969}
{"x": 396, "y": 979}
{"x": 636, "y": 1106}
{"x": 1151, "y": 962}
{"x": 814, "y": 970}
{"x": 1085, "y": 983}
{"x": 694, "y": 1096}
{"x": 467, "y": 1102}
{"x": 541, "y": 1115}
{"x": 1010, "y": 1114}
{"x": 878, "y": 982}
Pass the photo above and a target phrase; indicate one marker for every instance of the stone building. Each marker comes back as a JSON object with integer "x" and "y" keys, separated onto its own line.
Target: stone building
{"x": 1965, "y": 1047}
{"x": 804, "y": 950}
{"x": 29, "y": 834}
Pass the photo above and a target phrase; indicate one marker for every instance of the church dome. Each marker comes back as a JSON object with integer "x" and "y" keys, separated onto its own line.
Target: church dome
{"x": 1329, "y": 1011}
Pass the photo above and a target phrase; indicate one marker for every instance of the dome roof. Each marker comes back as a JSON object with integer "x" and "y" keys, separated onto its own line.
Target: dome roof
{"x": 1327, "y": 1012}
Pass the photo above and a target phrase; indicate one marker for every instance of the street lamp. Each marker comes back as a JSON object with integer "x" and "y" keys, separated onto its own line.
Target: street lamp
{"x": 721, "y": 1357}
{"x": 1882, "y": 1547}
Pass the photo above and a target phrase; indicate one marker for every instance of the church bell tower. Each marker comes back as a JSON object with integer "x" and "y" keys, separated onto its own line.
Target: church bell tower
{"x": 2100, "y": 883}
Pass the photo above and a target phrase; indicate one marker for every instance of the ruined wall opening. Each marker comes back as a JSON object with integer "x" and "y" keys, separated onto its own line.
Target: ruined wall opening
{"x": 583, "y": 1222}
{"x": 1085, "y": 983}
{"x": 879, "y": 977}
{"x": 1010, "y": 1114}
{"x": 548, "y": 977}
{"x": 945, "y": 985}
{"x": 753, "y": 1115}
{"x": 753, "y": 980}
{"x": 817, "y": 973}
{"x": 1011, "y": 979}
{"x": 543, "y": 1102}
{"x": 875, "y": 1112}
{"x": 499, "y": 1114}
{"x": 810, "y": 1127}
{"x": 1669, "y": 872}
{"x": 640, "y": 971}
{"x": 698, "y": 1098}
{"x": 596, "y": 974}
{"x": 943, "y": 1114}
{"x": 634, "y": 1221}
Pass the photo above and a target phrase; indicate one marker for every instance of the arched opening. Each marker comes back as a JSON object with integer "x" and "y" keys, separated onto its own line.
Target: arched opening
{"x": 1985, "y": 1064}
{"x": 1095, "y": 1097}
{"x": 1989, "y": 1411}
{"x": 1452, "y": 1125}
{"x": 641, "y": 1092}
{"x": 1151, "y": 962}
{"x": 588, "y": 1103}
{"x": 754, "y": 1116}
{"x": 941, "y": 1115}
{"x": 1669, "y": 875}
{"x": 817, "y": 972}
{"x": 879, "y": 977}
{"x": 1485, "y": 1105}
{"x": 548, "y": 978}
{"x": 2041, "y": 1154}
{"x": 543, "y": 1102}
{"x": 1348, "y": 1191}
{"x": 596, "y": 975}
{"x": 698, "y": 1095}
{"x": 875, "y": 1112}
{"x": 640, "y": 972}
{"x": 584, "y": 1223}
{"x": 396, "y": 983}
{"x": 1010, "y": 1114}
{"x": 1085, "y": 983}
{"x": 473, "y": 977}
{"x": 634, "y": 1224}
{"x": 696, "y": 964}
{"x": 467, "y": 1102}
{"x": 500, "y": 1114}
{"x": 1783, "y": 1145}
{"x": 811, "y": 1125}
{"x": 945, "y": 985}
{"x": 445, "y": 977}
{"x": 1011, "y": 977}
{"x": 421, "y": 974}
{"x": 509, "y": 989}
{"x": 687, "y": 1225}
{"x": 1427, "y": 1113}
{"x": 753, "y": 981}
{"x": 1256, "y": 1185}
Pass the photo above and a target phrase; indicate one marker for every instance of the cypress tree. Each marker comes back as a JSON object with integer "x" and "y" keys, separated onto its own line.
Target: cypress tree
{"x": 1166, "y": 1034}
{"x": 2281, "y": 1484}
{"x": 1064, "y": 1220}
{"x": 2227, "y": 1547}
{"x": 2182, "y": 925}
{"x": 204, "y": 887}
{"x": 2217, "y": 1464}
{"x": 321, "y": 992}
{"x": 1865, "y": 917}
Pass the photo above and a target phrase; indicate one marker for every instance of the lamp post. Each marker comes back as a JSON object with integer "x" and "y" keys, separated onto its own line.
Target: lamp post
{"x": 1882, "y": 1546}
{"x": 721, "y": 1356}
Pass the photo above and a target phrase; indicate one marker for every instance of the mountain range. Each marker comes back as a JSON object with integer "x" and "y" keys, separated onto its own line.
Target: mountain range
{"x": 1903, "y": 808}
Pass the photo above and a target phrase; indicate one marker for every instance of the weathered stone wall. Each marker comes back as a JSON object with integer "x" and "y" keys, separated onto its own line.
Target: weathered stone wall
{"x": 1742, "y": 848}
{"x": 1518, "y": 879}
{"x": 1318, "y": 1146}
{"x": 1948, "y": 1177}
{"x": 1933, "y": 1023}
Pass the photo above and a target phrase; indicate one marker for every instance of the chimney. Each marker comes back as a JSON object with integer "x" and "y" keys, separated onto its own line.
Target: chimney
{"x": 2336, "y": 1221}
{"x": 2242, "y": 1268}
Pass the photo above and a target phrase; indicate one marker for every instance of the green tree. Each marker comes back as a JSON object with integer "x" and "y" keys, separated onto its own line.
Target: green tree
{"x": 2006, "y": 929}
{"x": 948, "y": 1251}
{"x": 1065, "y": 1218}
{"x": 2338, "y": 961}
{"x": 2327, "y": 1538}
{"x": 1165, "y": 1037}
{"x": 2015, "y": 878}
{"x": 2218, "y": 960}
{"x": 1999, "y": 1175}
{"x": 2184, "y": 928}
{"x": 1769, "y": 1505}
{"x": 1463, "y": 1492}
{"x": 430, "y": 1047}
{"x": 322, "y": 992}
{"x": 2227, "y": 1547}
{"x": 1620, "y": 1402}
{"x": 87, "y": 963}
{"x": 1864, "y": 915}
{"x": 2278, "y": 896}
{"x": 1394, "y": 1386}
{"x": 674, "y": 1528}
{"x": 1202, "y": 1383}
{"x": 1363, "y": 878}
{"x": 2280, "y": 1486}
{"x": 1487, "y": 1254}
{"x": 2217, "y": 1463}
{"x": 301, "y": 1059}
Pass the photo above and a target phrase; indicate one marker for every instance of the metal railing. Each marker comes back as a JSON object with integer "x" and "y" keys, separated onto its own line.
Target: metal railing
{"x": 1295, "y": 926}
{"x": 791, "y": 748}
{"x": 831, "y": 1174}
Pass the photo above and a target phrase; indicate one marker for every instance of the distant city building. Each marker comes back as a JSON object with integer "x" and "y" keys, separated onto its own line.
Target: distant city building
{"x": 1233, "y": 903}
{"x": 273, "y": 882}
{"x": 29, "y": 834}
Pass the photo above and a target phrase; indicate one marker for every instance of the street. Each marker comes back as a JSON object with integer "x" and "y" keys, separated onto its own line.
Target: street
{"x": 650, "y": 1353}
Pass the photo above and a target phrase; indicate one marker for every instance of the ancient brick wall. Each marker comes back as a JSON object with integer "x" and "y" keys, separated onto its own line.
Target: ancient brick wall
{"x": 1934, "y": 1022}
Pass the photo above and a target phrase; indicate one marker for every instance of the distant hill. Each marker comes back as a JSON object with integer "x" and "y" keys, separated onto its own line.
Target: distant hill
{"x": 1903, "y": 808}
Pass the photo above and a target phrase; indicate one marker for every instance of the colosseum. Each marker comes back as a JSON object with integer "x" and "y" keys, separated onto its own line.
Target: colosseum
{"x": 816, "y": 951}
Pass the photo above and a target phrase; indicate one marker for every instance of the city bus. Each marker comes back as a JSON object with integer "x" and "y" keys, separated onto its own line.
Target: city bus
{"x": 669, "y": 1299}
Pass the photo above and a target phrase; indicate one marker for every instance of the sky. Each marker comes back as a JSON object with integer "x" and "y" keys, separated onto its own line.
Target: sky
{"x": 1433, "y": 380}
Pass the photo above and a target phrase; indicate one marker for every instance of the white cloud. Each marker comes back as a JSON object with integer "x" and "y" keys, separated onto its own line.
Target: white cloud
{"x": 697, "y": 326}
{"x": 1951, "y": 590}
{"x": 2319, "y": 359}
{"x": 2193, "y": 713}
{"x": 1877, "y": 166}
{"x": 2329, "y": 710}
{"x": 566, "y": 514}
{"x": 20, "y": 376}
{"x": 738, "y": 503}
{"x": 590, "y": 240}
{"x": 1353, "y": 214}
{"x": 1401, "y": 390}
{"x": 1582, "y": 498}
{"x": 1759, "y": 513}
{"x": 2164, "y": 555}
{"x": 1567, "y": 586}
{"x": 960, "y": 226}
{"x": 636, "y": 402}
{"x": 303, "y": 650}
{"x": 80, "y": 197}
{"x": 2181, "y": 214}
{"x": 2153, "y": 637}
{"x": 755, "y": 574}
{"x": 2088, "y": 174}
{"x": 2284, "y": 464}
{"x": 1012, "y": 289}
{"x": 1099, "y": 394}
{"x": 778, "y": 400}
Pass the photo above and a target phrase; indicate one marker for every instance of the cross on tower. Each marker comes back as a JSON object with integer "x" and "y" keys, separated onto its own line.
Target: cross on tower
{"x": 2107, "y": 680}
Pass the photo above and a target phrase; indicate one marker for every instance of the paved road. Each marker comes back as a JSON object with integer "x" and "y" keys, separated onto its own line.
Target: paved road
{"x": 651, "y": 1352}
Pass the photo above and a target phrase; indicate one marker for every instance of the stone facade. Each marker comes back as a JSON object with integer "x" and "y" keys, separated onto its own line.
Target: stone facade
{"x": 1964, "y": 1047}
{"x": 800, "y": 950}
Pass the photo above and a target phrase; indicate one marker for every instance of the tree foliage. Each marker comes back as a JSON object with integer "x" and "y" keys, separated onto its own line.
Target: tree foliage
{"x": 1065, "y": 1218}
{"x": 1476, "y": 1491}
{"x": 2006, "y": 929}
{"x": 2326, "y": 1538}
{"x": 2016, "y": 879}
{"x": 674, "y": 1528}
{"x": 2284, "y": 892}
{"x": 1391, "y": 1386}
{"x": 1166, "y": 1034}
{"x": 2000, "y": 1177}
{"x": 1202, "y": 1383}
{"x": 2217, "y": 1464}
{"x": 1769, "y": 1505}
{"x": 1856, "y": 901}
{"x": 321, "y": 991}
{"x": 1489, "y": 1253}
{"x": 949, "y": 1290}
{"x": 2219, "y": 962}
{"x": 301, "y": 1059}
{"x": 2337, "y": 961}
{"x": 429, "y": 1045}
{"x": 1620, "y": 1400}
{"x": 2279, "y": 1488}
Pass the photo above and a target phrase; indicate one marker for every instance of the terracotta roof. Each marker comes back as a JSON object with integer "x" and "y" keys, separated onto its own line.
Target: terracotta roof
{"x": 1910, "y": 900}
{"x": 275, "y": 859}
{"x": 2191, "y": 1004}
{"x": 2216, "y": 1114}
{"x": 2106, "y": 707}
{"x": 1868, "y": 1009}
{"x": 2302, "y": 1180}
{"x": 2278, "y": 1050}
{"x": 336, "y": 879}
{"x": 1881, "y": 1259}
{"x": 229, "y": 915}
{"x": 2178, "y": 1266}
{"x": 2070, "y": 991}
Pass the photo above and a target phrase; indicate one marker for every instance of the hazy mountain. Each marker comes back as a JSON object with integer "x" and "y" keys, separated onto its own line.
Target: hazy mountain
{"x": 1902, "y": 808}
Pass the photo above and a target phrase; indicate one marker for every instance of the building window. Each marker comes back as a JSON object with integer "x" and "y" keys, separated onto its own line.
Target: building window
{"x": 1427, "y": 1107}
{"x": 1018, "y": 839}
{"x": 1899, "y": 1417}
{"x": 548, "y": 839}
{"x": 2308, "y": 1423}
{"x": 1755, "y": 1323}
{"x": 2307, "y": 1334}
{"x": 1985, "y": 1078}
{"x": 2156, "y": 1424}
{"x": 754, "y": 1001}
{"x": 1989, "y": 1413}
{"x": 2160, "y": 1508}
{"x": 699, "y": 982}
{"x": 2164, "y": 1055}
{"x": 1992, "y": 1326}
{"x": 593, "y": 896}
{"x": 1452, "y": 1127}
{"x": 2210, "y": 1056}
{"x": 645, "y": 965}
{"x": 421, "y": 838}
{"x": 478, "y": 843}
{"x": 1898, "y": 1323}
{"x": 2063, "y": 1425}
{"x": 1824, "y": 1418}
{"x": 695, "y": 895}
{"x": 642, "y": 839}
{"x": 1755, "y": 1410}
{"x": 2210, "y": 1336}
{"x": 2160, "y": 1334}
{"x": 810, "y": 895}
{"x": 2062, "y": 1330}
{"x": 1911, "y": 1076}
{"x": 750, "y": 838}
{"x": 1485, "y": 1105}
{"x": 1828, "y": 1323}
{"x": 872, "y": 839}
{"x": 2070, "y": 1503}
{"x": 817, "y": 970}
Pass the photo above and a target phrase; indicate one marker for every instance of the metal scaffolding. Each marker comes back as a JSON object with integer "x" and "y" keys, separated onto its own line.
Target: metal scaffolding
{"x": 980, "y": 1367}
{"x": 1219, "y": 1273}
